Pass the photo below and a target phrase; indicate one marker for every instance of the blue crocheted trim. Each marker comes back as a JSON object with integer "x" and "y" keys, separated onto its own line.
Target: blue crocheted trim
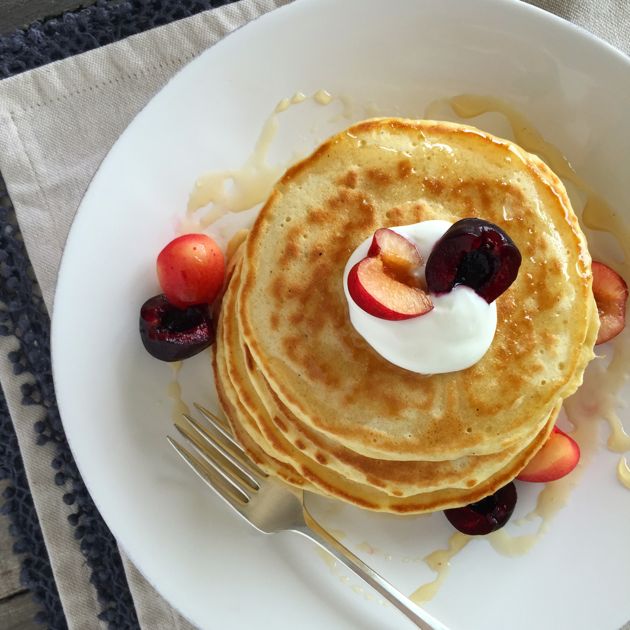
{"x": 23, "y": 315}
{"x": 26, "y": 318}
{"x": 79, "y": 31}
{"x": 15, "y": 317}
{"x": 35, "y": 573}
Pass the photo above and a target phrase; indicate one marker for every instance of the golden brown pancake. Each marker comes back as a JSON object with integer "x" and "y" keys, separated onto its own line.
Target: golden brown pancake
{"x": 284, "y": 434}
{"x": 253, "y": 427}
{"x": 293, "y": 314}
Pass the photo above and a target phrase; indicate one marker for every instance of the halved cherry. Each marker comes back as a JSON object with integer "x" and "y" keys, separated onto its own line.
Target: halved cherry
{"x": 171, "y": 334}
{"x": 558, "y": 456}
{"x": 385, "y": 284}
{"x": 611, "y": 294}
{"x": 477, "y": 254}
{"x": 397, "y": 252}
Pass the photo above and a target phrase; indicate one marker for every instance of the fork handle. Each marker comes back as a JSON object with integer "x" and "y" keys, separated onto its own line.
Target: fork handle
{"x": 313, "y": 530}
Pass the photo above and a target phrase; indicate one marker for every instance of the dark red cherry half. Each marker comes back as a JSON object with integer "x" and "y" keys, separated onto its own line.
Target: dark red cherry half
{"x": 172, "y": 334}
{"x": 485, "y": 516}
{"x": 477, "y": 254}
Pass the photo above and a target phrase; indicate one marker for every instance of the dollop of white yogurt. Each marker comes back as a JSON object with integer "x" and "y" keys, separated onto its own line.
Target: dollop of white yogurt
{"x": 452, "y": 336}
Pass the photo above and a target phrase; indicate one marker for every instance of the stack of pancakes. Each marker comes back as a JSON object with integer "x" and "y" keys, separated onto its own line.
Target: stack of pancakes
{"x": 315, "y": 405}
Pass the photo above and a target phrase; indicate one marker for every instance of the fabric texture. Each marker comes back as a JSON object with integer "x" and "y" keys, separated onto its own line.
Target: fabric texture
{"x": 608, "y": 19}
{"x": 48, "y": 154}
{"x": 96, "y": 585}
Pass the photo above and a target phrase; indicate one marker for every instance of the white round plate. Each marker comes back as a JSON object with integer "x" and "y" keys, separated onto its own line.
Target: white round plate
{"x": 394, "y": 57}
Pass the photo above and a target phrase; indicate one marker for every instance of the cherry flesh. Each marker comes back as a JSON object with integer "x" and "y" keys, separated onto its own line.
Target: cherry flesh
{"x": 477, "y": 254}
{"x": 172, "y": 334}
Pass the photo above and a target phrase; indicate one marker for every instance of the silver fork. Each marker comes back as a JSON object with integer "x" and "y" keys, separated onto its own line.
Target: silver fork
{"x": 269, "y": 505}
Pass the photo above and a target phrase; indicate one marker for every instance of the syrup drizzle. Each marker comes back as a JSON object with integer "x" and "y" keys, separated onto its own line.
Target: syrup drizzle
{"x": 335, "y": 568}
{"x": 623, "y": 472}
{"x": 238, "y": 189}
{"x": 174, "y": 391}
{"x": 440, "y": 562}
{"x": 285, "y": 103}
{"x": 323, "y": 97}
{"x": 234, "y": 190}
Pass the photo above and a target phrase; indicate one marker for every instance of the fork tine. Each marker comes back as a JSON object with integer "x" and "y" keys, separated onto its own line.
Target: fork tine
{"x": 221, "y": 427}
{"x": 233, "y": 496}
{"x": 235, "y": 460}
{"x": 223, "y": 466}
{"x": 212, "y": 417}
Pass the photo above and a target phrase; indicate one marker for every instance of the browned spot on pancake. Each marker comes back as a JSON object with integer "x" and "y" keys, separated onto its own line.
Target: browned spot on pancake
{"x": 342, "y": 198}
{"x": 294, "y": 233}
{"x": 395, "y": 215}
{"x": 378, "y": 177}
{"x": 397, "y": 493}
{"x": 349, "y": 180}
{"x": 315, "y": 253}
{"x": 296, "y": 318}
{"x": 547, "y": 301}
{"x": 320, "y": 374}
{"x": 392, "y": 404}
{"x": 316, "y": 216}
{"x": 290, "y": 344}
{"x": 404, "y": 168}
{"x": 321, "y": 458}
{"x": 274, "y": 321}
{"x": 280, "y": 424}
{"x": 471, "y": 483}
{"x": 290, "y": 252}
{"x": 277, "y": 289}
{"x": 249, "y": 360}
{"x": 339, "y": 257}
{"x": 351, "y": 210}
{"x": 349, "y": 398}
{"x": 484, "y": 196}
{"x": 299, "y": 444}
{"x": 290, "y": 292}
{"x": 274, "y": 439}
{"x": 374, "y": 481}
{"x": 338, "y": 315}
{"x": 433, "y": 185}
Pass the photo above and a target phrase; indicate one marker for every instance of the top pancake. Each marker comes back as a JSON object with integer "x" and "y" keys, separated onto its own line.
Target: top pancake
{"x": 386, "y": 172}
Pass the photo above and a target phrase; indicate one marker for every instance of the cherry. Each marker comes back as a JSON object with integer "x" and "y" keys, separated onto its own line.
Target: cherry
{"x": 172, "y": 334}
{"x": 191, "y": 270}
{"x": 477, "y": 254}
{"x": 484, "y": 516}
{"x": 611, "y": 294}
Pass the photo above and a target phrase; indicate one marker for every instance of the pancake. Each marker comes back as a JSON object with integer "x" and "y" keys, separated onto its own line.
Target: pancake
{"x": 248, "y": 415}
{"x": 307, "y": 474}
{"x": 283, "y": 433}
{"x": 250, "y": 440}
{"x": 293, "y": 317}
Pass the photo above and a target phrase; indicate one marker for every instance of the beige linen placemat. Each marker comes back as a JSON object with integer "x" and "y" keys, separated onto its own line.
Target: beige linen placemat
{"x": 49, "y": 151}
